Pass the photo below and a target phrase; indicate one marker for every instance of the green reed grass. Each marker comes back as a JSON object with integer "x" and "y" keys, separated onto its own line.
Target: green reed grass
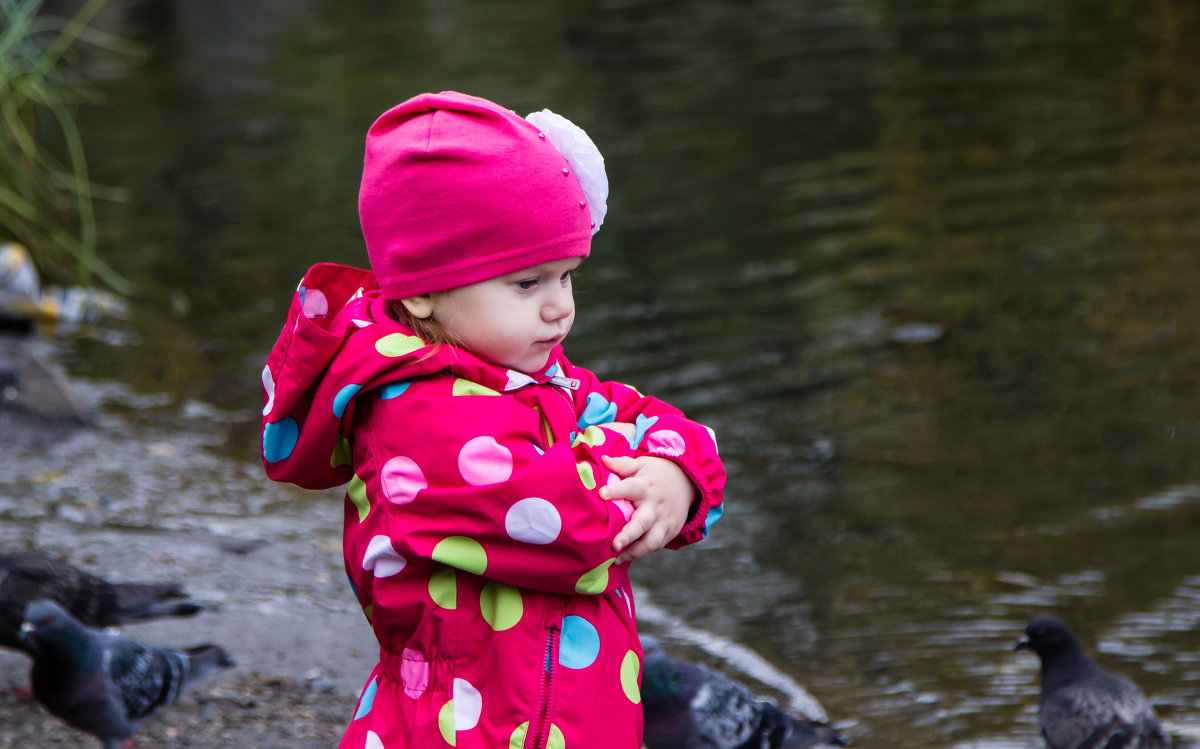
{"x": 45, "y": 200}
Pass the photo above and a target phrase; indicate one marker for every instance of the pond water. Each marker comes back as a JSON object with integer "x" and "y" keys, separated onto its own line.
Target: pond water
{"x": 928, "y": 268}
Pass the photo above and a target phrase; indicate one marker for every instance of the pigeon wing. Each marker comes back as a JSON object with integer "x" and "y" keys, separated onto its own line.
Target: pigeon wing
{"x": 1071, "y": 714}
{"x": 142, "y": 674}
{"x": 726, "y": 714}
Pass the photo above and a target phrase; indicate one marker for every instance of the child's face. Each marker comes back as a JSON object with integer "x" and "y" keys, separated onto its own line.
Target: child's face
{"x": 514, "y": 320}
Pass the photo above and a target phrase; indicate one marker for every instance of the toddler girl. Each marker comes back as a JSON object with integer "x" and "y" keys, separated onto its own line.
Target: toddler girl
{"x": 496, "y": 491}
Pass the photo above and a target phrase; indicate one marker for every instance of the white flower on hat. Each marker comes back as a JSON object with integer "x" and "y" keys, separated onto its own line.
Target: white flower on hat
{"x": 583, "y": 156}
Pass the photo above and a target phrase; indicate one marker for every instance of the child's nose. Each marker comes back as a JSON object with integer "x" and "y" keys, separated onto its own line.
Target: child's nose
{"x": 560, "y": 304}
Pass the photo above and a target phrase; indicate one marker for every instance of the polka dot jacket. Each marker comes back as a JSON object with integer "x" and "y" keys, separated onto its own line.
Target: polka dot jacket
{"x": 474, "y": 536}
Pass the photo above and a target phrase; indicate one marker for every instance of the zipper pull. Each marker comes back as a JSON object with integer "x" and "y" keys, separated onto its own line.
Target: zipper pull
{"x": 569, "y": 383}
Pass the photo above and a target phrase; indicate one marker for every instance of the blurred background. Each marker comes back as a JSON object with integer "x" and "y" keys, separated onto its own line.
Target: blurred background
{"x": 928, "y": 268}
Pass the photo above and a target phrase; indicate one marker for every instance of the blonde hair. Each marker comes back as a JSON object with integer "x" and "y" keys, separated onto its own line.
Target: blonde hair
{"x": 426, "y": 328}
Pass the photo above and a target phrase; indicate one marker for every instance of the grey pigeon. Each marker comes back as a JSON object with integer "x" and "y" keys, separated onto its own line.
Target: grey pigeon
{"x": 1082, "y": 706}
{"x": 104, "y": 683}
{"x": 30, "y": 576}
{"x": 690, "y": 706}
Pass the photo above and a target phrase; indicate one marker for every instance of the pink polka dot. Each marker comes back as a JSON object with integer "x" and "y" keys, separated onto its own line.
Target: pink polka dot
{"x": 483, "y": 460}
{"x": 665, "y": 442}
{"x": 402, "y": 479}
{"x": 315, "y": 303}
{"x": 414, "y": 673}
{"x": 625, "y": 506}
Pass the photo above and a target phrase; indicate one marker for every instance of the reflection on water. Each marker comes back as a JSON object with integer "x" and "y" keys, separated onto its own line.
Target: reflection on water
{"x": 792, "y": 182}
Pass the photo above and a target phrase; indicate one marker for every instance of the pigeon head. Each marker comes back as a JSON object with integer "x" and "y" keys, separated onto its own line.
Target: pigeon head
{"x": 47, "y": 626}
{"x": 650, "y": 645}
{"x": 1047, "y": 636}
{"x": 661, "y": 675}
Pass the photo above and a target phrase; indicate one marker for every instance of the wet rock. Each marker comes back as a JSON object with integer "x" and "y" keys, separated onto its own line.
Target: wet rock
{"x": 916, "y": 333}
{"x": 32, "y": 385}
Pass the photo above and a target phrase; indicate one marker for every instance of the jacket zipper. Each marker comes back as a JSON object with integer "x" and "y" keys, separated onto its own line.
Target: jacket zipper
{"x": 539, "y": 728}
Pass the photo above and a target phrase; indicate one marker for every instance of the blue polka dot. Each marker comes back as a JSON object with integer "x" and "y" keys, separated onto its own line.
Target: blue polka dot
{"x": 343, "y": 397}
{"x": 598, "y": 411}
{"x": 367, "y": 701}
{"x": 643, "y": 424}
{"x": 714, "y": 514}
{"x": 279, "y": 439}
{"x": 580, "y": 643}
{"x": 392, "y": 389}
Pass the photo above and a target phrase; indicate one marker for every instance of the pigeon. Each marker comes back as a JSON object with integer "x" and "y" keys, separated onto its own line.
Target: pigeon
{"x": 690, "y": 706}
{"x": 1082, "y": 706}
{"x": 105, "y": 683}
{"x": 28, "y": 576}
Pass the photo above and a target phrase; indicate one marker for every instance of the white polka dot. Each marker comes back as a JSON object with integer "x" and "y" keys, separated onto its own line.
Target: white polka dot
{"x": 382, "y": 558}
{"x": 713, "y": 434}
{"x": 402, "y": 479}
{"x": 483, "y": 460}
{"x": 517, "y": 379}
{"x": 268, "y": 381}
{"x": 533, "y": 520}
{"x": 468, "y": 705}
{"x": 373, "y": 741}
{"x": 315, "y": 303}
{"x": 665, "y": 442}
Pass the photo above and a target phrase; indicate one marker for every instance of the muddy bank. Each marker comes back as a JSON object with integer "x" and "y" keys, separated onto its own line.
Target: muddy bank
{"x": 145, "y": 489}
{"x": 230, "y": 711}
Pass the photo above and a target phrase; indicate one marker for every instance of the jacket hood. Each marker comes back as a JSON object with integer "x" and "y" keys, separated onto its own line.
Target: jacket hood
{"x": 337, "y": 344}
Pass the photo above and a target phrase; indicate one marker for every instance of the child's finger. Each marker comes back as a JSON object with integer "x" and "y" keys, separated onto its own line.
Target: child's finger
{"x": 632, "y": 489}
{"x": 621, "y": 465}
{"x": 651, "y": 540}
{"x": 633, "y": 530}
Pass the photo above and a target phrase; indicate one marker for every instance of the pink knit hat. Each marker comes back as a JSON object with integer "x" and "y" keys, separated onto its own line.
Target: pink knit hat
{"x": 456, "y": 190}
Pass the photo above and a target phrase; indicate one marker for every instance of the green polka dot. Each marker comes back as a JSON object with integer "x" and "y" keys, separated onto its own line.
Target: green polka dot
{"x": 630, "y": 666}
{"x": 466, "y": 387}
{"x": 461, "y": 552}
{"x": 446, "y": 722}
{"x": 593, "y": 436}
{"x": 341, "y": 452}
{"x": 546, "y": 430}
{"x": 554, "y": 741}
{"x": 594, "y": 582}
{"x": 398, "y": 344}
{"x": 368, "y": 610}
{"x": 517, "y": 740}
{"x": 501, "y": 605}
{"x": 357, "y": 492}
{"x": 443, "y": 588}
{"x": 586, "y": 475}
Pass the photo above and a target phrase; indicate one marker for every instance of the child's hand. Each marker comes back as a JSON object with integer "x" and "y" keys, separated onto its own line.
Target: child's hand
{"x": 662, "y": 495}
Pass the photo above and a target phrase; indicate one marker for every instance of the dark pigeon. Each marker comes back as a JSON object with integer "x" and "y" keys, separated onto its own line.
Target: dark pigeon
{"x": 1082, "y": 706}
{"x": 30, "y": 576}
{"x": 690, "y": 706}
{"x": 104, "y": 683}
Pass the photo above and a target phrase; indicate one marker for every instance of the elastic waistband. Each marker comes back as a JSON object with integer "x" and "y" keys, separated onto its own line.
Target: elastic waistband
{"x": 416, "y": 674}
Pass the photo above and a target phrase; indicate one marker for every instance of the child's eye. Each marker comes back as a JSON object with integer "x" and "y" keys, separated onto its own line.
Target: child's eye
{"x": 567, "y": 276}
{"x": 527, "y": 284}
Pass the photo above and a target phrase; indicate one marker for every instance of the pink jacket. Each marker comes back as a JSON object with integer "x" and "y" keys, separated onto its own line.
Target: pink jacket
{"x": 474, "y": 537}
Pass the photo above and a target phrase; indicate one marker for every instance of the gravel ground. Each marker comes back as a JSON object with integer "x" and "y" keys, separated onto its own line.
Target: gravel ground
{"x": 228, "y": 711}
{"x": 133, "y": 499}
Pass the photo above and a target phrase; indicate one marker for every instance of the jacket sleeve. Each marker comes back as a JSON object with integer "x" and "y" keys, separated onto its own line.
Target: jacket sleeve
{"x": 663, "y": 431}
{"x": 467, "y": 482}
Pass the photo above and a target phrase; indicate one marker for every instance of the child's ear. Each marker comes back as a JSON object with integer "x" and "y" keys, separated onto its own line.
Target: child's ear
{"x": 420, "y": 307}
